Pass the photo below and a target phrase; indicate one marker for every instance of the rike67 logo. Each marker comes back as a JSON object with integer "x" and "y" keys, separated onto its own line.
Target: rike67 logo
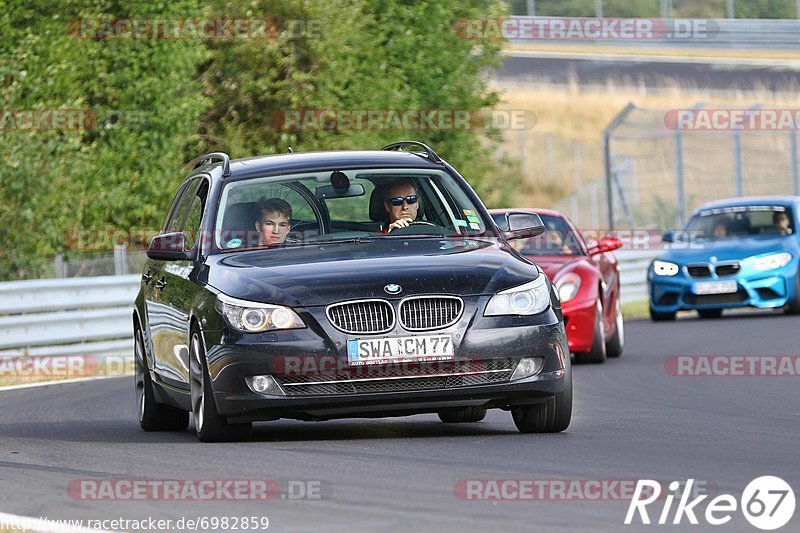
{"x": 767, "y": 503}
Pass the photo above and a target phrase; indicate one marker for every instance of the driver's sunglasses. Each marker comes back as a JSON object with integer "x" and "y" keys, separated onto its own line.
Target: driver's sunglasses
{"x": 397, "y": 202}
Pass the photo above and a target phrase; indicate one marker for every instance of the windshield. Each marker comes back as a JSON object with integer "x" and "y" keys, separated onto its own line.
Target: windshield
{"x": 558, "y": 238}
{"x": 343, "y": 205}
{"x": 740, "y": 221}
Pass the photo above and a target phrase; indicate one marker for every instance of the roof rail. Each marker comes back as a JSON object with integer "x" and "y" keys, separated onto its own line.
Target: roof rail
{"x": 222, "y": 157}
{"x": 429, "y": 153}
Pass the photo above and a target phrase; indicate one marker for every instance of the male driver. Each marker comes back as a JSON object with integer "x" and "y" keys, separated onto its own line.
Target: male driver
{"x": 401, "y": 203}
{"x": 273, "y": 221}
{"x": 781, "y": 221}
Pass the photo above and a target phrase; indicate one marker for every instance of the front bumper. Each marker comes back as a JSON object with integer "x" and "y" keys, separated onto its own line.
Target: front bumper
{"x": 319, "y": 354}
{"x": 765, "y": 290}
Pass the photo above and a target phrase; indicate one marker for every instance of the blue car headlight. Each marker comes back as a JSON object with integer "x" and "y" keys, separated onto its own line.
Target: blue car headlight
{"x": 771, "y": 261}
{"x": 529, "y": 299}
{"x": 665, "y": 268}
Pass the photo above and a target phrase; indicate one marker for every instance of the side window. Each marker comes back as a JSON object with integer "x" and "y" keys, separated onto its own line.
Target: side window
{"x": 179, "y": 211}
{"x": 192, "y": 226}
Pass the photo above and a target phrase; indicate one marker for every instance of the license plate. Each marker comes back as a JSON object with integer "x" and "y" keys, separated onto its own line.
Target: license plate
{"x": 399, "y": 349}
{"x": 716, "y": 287}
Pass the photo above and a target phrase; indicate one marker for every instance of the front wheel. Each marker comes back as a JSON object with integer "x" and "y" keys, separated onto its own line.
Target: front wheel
{"x": 209, "y": 425}
{"x": 597, "y": 352}
{"x": 793, "y": 307}
{"x": 153, "y": 416}
{"x": 616, "y": 342}
{"x": 552, "y": 416}
{"x": 658, "y": 316}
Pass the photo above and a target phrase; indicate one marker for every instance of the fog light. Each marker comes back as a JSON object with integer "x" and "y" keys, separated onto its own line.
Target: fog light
{"x": 264, "y": 385}
{"x": 528, "y": 366}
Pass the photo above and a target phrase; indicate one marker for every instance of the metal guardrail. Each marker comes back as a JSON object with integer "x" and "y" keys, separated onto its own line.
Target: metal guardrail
{"x": 738, "y": 34}
{"x": 92, "y": 316}
{"x": 85, "y": 316}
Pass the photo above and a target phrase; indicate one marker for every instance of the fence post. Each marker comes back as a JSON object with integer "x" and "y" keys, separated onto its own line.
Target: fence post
{"x": 793, "y": 154}
{"x": 60, "y": 266}
{"x": 737, "y": 162}
{"x": 680, "y": 185}
{"x": 548, "y": 143}
{"x": 576, "y": 173}
{"x": 120, "y": 260}
{"x": 531, "y": 8}
{"x": 598, "y": 8}
{"x": 607, "y": 155}
{"x": 731, "y": 13}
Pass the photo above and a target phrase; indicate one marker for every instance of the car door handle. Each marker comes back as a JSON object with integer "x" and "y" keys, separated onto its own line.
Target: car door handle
{"x": 160, "y": 284}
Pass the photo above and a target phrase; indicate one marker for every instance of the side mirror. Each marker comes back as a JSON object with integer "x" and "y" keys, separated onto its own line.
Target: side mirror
{"x": 668, "y": 236}
{"x": 606, "y": 244}
{"x": 169, "y": 247}
{"x": 523, "y": 225}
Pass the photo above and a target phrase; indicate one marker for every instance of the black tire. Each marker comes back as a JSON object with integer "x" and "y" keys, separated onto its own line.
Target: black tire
{"x": 153, "y": 416}
{"x": 597, "y": 352}
{"x": 709, "y": 313}
{"x": 793, "y": 307}
{"x": 616, "y": 343}
{"x": 657, "y": 316}
{"x": 210, "y": 426}
{"x": 552, "y": 416}
{"x": 462, "y": 415}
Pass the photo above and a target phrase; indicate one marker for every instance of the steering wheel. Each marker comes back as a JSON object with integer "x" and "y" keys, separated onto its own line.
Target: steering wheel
{"x": 419, "y": 223}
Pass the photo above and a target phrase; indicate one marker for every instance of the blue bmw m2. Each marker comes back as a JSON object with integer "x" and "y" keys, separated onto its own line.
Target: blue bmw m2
{"x": 733, "y": 253}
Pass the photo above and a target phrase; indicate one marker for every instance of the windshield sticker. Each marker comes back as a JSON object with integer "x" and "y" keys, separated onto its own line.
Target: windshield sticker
{"x": 473, "y": 219}
{"x": 469, "y": 212}
{"x": 474, "y": 225}
{"x": 461, "y": 223}
{"x": 234, "y": 243}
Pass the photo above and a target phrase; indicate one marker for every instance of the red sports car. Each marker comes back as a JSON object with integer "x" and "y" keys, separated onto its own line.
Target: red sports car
{"x": 587, "y": 278}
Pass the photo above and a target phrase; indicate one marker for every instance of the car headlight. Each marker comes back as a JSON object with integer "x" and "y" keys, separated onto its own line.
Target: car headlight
{"x": 568, "y": 286}
{"x": 529, "y": 299}
{"x": 772, "y": 262}
{"x": 255, "y": 317}
{"x": 665, "y": 268}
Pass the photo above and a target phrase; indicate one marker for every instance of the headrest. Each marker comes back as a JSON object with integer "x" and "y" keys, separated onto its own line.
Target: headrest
{"x": 377, "y": 213}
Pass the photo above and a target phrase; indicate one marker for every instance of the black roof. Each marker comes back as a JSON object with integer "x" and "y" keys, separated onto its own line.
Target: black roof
{"x": 311, "y": 161}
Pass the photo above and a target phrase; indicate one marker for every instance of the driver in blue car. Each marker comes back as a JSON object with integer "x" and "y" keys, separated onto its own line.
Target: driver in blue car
{"x": 401, "y": 203}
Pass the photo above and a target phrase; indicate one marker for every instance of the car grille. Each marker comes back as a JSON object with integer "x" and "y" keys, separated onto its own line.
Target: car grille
{"x": 699, "y": 271}
{"x": 363, "y": 316}
{"x": 430, "y": 312}
{"x": 704, "y": 270}
{"x": 727, "y": 269}
{"x": 405, "y": 377}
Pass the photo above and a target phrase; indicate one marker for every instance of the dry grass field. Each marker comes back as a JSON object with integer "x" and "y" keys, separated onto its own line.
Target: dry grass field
{"x": 570, "y": 116}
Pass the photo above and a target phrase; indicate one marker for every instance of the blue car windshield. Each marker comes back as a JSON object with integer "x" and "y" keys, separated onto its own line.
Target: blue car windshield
{"x": 740, "y": 221}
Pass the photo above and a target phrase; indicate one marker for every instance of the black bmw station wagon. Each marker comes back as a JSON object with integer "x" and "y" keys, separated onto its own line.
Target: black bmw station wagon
{"x": 341, "y": 284}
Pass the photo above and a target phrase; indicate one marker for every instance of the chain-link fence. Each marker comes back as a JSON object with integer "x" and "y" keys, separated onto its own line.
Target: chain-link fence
{"x": 120, "y": 262}
{"x": 662, "y": 164}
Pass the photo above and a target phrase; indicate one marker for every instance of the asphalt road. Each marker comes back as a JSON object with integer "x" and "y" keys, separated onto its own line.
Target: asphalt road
{"x": 632, "y": 420}
{"x": 640, "y": 71}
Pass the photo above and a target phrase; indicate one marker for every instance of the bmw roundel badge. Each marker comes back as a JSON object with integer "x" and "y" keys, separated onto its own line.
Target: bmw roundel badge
{"x": 393, "y": 288}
